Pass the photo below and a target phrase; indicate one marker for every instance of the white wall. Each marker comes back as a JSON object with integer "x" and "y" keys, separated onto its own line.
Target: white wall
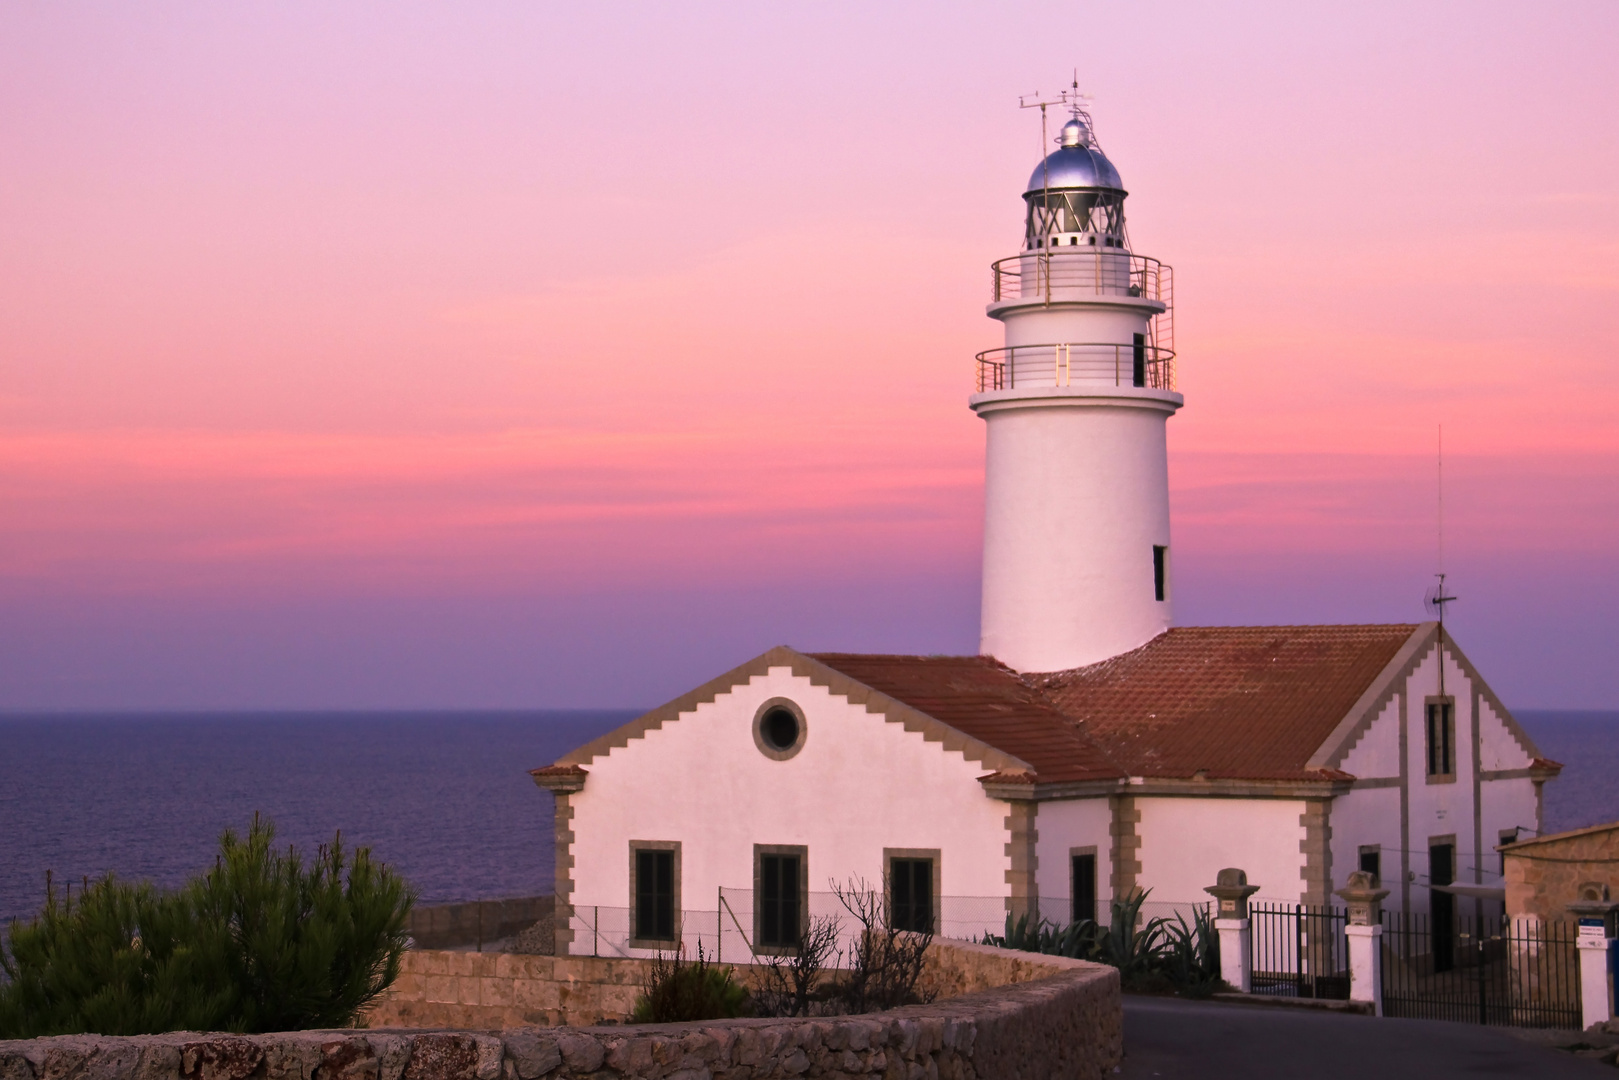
{"x": 1377, "y": 754}
{"x": 1076, "y": 495}
{"x": 1062, "y": 825}
{"x": 1186, "y": 842}
{"x": 1367, "y": 816}
{"x": 859, "y": 784}
{"x": 1499, "y": 750}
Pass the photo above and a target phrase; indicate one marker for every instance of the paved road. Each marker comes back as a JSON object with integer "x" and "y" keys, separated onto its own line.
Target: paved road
{"x": 1173, "y": 1039}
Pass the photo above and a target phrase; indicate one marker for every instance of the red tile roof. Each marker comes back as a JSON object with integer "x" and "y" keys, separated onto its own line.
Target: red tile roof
{"x": 1235, "y": 702}
{"x": 1240, "y": 702}
{"x": 982, "y": 697}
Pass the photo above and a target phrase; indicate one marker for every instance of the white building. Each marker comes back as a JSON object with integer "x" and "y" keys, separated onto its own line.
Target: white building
{"x": 1092, "y": 750}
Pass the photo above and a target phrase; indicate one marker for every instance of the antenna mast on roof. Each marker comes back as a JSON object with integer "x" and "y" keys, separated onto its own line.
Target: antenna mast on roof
{"x": 1438, "y": 597}
{"x": 1075, "y": 102}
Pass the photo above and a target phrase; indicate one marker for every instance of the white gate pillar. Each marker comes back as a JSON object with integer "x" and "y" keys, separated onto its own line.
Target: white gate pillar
{"x": 1364, "y": 930}
{"x": 1597, "y": 917}
{"x": 1232, "y": 890}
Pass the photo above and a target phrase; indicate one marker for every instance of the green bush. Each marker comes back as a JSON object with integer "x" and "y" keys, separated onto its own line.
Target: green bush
{"x": 679, "y": 991}
{"x": 261, "y": 942}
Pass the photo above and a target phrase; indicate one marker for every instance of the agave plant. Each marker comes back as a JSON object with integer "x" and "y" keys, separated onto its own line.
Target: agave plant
{"x": 1128, "y": 944}
{"x": 1191, "y": 957}
{"x": 1020, "y": 935}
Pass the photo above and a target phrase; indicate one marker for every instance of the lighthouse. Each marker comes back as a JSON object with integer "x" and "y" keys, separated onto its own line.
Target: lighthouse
{"x": 1077, "y": 554}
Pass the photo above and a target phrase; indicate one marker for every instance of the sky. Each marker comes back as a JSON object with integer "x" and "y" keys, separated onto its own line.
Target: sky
{"x": 540, "y": 355}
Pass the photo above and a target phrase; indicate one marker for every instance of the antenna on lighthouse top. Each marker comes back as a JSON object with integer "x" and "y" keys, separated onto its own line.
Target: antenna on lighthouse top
{"x": 1075, "y": 103}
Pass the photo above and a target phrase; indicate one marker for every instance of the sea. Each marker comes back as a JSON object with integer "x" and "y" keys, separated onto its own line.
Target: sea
{"x": 443, "y": 797}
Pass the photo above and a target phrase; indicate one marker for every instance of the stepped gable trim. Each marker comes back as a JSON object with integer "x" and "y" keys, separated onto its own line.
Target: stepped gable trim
{"x": 1537, "y": 762}
{"x": 1371, "y": 703}
{"x": 819, "y": 674}
{"x": 1424, "y": 640}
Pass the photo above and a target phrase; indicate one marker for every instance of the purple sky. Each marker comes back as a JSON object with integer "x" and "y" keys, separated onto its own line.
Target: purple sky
{"x": 409, "y": 356}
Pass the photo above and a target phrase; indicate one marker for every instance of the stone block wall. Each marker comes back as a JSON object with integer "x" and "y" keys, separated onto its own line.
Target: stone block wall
{"x": 1544, "y": 876}
{"x": 1068, "y": 1023}
{"x": 491, "y": 991}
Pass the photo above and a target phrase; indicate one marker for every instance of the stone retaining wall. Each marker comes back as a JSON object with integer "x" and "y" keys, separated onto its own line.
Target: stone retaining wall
{"x": 494, "y": 991}
{"x": 1068, "y": 1023}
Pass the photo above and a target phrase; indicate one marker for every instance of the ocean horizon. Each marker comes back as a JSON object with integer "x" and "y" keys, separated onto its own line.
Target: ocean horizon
{"x": 443, "y": 796}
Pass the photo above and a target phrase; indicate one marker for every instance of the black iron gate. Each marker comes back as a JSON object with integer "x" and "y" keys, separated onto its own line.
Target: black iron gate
{"x": 1481, "y": 971}
{"x": 1299, "y": 951}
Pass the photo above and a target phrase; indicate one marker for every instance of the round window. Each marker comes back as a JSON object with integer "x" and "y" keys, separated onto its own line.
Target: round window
{"x": 778, "y": 729}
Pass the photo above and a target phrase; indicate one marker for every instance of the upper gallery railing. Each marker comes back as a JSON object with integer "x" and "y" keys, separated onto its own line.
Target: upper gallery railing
{"x": 1051, "y": 275}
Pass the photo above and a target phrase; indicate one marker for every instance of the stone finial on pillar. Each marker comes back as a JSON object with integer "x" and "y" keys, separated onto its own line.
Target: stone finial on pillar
{"x": 1365, "y": 935}
{"x": 1364, "y": 898}
{"x": 1598, "y": 916}
{"x": 1231, "y": 890}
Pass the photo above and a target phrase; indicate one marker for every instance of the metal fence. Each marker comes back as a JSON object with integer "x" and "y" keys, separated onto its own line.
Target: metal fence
{"x": 1299, "y": 951}
{"x": 729, "y": 930}
{"x": 1491, "y": 970}
{"x": 1075, "y": 364}
{"x": 1090, "y": 271}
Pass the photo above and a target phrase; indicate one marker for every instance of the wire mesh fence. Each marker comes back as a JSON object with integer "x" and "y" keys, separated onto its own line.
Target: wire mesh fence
{"x": 734, "y": 930}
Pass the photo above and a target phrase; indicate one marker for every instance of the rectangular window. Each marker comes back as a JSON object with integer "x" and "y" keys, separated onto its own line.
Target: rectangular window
{"x": 1138, "y": 369}
{"x": 654, "y": 892}
{"x": 1160, "y": 575}
{"x": 1441, "y": 737}
{"x": 1082, "y": 867}
{"x": 910, "y": 894}
{"x": 779, "y": 897}
{"x": 1371, "y": 860}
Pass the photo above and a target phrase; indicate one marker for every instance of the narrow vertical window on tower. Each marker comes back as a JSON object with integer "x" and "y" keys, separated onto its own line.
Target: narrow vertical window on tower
{"x": 1441, "y": 738}
{"x": 1160, "y": 556}
{"x": 1138, "y": 367}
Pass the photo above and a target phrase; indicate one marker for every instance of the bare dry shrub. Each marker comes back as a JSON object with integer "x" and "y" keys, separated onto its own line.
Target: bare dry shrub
{"x": 886, "y": 963}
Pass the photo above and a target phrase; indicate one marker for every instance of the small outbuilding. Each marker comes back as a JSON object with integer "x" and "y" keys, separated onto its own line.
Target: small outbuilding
{"x": 1545, "y": 874}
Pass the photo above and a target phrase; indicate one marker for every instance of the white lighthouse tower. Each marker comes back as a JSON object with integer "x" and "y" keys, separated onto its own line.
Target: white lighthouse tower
{"x": 1076, "y": 488}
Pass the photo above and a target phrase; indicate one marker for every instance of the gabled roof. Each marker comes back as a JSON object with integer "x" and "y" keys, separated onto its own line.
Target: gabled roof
{"x": 819, "y": 674}
{"x": 1282, "y": 704}
{"x": 1231, "y": 702}
{"x": 984, "y": 698}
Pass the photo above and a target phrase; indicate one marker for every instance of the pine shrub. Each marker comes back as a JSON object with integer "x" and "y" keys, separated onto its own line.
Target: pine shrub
{"x": 262, "y": 942}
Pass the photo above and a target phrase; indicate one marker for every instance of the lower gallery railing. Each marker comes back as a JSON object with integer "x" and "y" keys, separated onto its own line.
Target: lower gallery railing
{"x": 1076, "y": 364}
